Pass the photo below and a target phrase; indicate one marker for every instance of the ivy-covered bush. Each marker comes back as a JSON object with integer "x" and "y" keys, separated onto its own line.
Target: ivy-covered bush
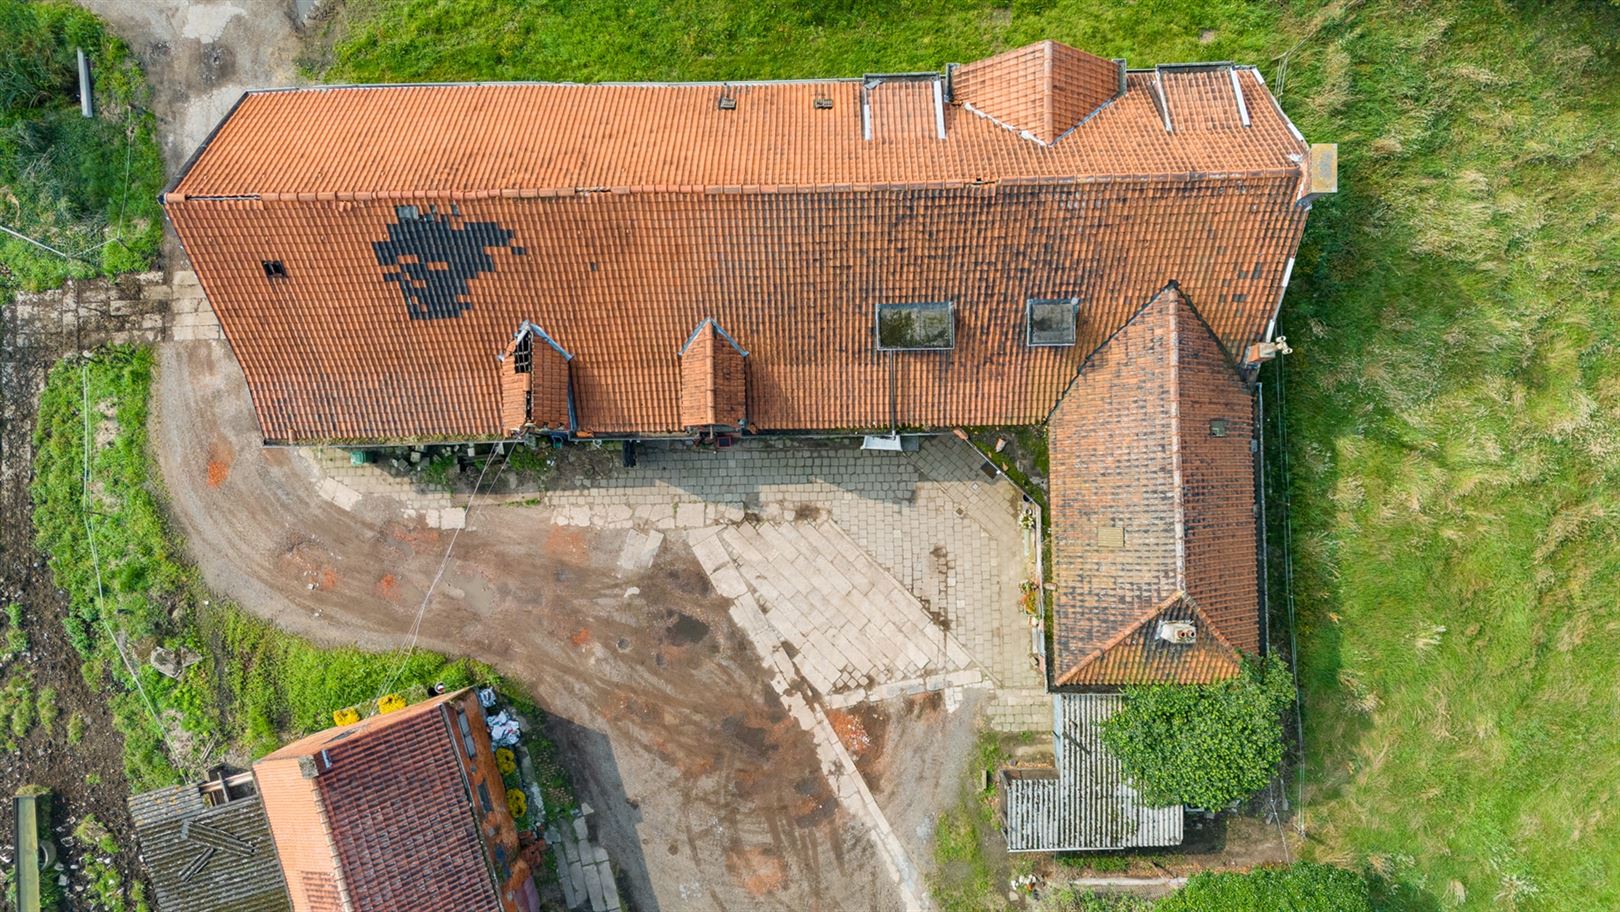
{"x": 1304, "y": 887}
{"x": 1203, "y": 745}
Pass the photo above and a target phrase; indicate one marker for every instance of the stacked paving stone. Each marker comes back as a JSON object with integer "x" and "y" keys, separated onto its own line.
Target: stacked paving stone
{"x": 191, "y": 317}
{"x": 583, "y": 866}
{"x": 90, "y": 312}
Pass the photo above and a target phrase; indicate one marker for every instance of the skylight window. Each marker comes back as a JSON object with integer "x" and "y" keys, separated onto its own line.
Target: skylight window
{"x": 925, "y": 326}
{"x": 1051, "y": 321}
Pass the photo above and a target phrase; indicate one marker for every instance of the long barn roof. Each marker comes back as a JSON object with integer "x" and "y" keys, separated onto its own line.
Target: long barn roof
{"x": 370, "y": 251}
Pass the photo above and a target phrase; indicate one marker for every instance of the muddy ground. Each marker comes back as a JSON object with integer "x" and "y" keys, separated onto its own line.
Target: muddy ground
{"x": 708, "y": 794}
{"x": 88, "y": 777}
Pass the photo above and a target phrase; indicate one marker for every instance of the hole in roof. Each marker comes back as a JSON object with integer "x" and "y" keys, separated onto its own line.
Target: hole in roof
{"x": 274, "y": 269}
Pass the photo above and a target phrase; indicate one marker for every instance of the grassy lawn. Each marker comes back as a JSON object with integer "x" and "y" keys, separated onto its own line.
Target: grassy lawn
{"x": 255, "y": 686}
{"x": 86, "y": 187}
{"x": 1455, "y": 407}
{"x": 1453, "y": 404}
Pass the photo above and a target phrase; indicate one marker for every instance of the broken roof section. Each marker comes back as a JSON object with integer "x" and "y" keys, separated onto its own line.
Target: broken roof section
{"x": 1153, "y": 521}
{"x": 1043, "y": 90}
{"x": 369, "y": 250}
{"x": 208, "y": 855}
{"x": 1086, "y": 801}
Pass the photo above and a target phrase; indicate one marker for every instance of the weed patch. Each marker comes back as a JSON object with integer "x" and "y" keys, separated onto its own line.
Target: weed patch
{"x": 85, "y": 186}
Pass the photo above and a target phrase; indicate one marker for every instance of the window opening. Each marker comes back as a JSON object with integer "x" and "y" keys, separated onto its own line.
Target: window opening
{"x": 924, "y": 326}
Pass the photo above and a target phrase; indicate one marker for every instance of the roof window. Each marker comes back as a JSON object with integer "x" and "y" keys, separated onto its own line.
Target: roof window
{"x": 1051, "y": 321}
{"x": 523, "y": 355}
{"x": 923, "y": 326}
{"x": 274, "y": 269}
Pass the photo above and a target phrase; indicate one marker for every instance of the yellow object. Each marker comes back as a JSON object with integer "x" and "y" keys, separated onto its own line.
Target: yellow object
{"x": 517, "y": 803}
{"x": 505, "y": 761}
{"x": 390, "y": 703}
{"x": 346, "y": 716}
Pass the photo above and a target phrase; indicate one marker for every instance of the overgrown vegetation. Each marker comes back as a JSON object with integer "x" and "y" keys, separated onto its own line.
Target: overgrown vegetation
{"x": 16, "y": 639}
{"x": 86, "y": 187}
{"x": 256, "y": 685}
{"x": 1303, "y": 887}
{"x": 593, "y": 40}
{"x": 1204, "y": 745}
{"x": 970, "y": 860}
{"x": 1453, "y": 406}
{"x": 106, "y": 884}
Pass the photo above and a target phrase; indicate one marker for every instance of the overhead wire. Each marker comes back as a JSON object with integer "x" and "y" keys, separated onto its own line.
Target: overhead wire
{"x": 444, "y": 562}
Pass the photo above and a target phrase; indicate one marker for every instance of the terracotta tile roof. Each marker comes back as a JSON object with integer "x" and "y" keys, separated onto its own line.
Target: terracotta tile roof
{"x": 377, "y": 815}
{"x": 1045, "y": 89}
{"x": 1153, "y": 522}
{"x": 419, "y": 227}
{"x": 713, "y": 380}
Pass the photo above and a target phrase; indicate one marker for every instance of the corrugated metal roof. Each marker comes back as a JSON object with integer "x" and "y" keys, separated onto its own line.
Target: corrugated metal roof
{"x": 207, "y": 859}
{"x": 1086, "y": 802}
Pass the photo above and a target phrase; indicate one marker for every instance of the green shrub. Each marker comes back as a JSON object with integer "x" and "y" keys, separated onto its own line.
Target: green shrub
{"x": 85, "y": 186}
{"x": 1304, "y": 887}
{"x": 1205, "y": 745}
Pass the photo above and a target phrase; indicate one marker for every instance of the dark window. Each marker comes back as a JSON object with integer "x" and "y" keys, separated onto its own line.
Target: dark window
{"x": 466, "y": 734}
{"x": 926, "y": 326}
{"x": 483, "y": 798}
{"x": 1051, "y": 321}
{"x": 273, "y": 269}
{"x": 523, "y": 355}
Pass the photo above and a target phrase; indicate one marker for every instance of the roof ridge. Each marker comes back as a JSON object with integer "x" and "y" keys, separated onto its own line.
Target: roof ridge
{"x": 1152, "y": 611}
{"x": 1031, "y": 180}
{"x": 1176, "y": 478}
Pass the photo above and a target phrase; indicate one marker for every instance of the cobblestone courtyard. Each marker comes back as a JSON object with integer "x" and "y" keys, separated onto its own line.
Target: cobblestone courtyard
{"x": 699, "y": 619}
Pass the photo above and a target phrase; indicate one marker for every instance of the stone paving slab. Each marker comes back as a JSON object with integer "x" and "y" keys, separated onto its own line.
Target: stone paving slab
{"x": 862, "y": 640}
{"x": 931, "y": 520}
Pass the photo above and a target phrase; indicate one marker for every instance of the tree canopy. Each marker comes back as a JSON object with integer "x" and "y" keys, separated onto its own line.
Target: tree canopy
{"x": 1204, "y": 745}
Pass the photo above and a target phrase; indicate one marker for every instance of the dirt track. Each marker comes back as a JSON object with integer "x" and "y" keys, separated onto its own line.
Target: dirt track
{"x": 709, "y": 795}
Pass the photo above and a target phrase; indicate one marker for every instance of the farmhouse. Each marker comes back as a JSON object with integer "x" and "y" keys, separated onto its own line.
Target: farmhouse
{"x": 1041, "y": 236}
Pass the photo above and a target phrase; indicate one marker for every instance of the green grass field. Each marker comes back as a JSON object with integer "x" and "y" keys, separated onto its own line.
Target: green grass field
{"x": 257, "y": 685}
{"x": 1454, "y": 402}
{"x": 85, "y": 187}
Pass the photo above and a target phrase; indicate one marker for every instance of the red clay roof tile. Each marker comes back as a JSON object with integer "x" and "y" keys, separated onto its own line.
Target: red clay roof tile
{"x": 399, "y": 825}
{"x": 1045, "y": 89}
{"x": 1152, "y": 497}
{"x": 418, "y": 226}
